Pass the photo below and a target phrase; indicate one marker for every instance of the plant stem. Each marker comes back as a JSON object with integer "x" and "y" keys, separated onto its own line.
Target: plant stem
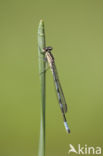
{"x": 41, "y": 45}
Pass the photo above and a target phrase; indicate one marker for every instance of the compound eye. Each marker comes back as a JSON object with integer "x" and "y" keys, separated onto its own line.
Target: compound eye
{"x": 45, "y": 49}
{"x": 50, "y": 48}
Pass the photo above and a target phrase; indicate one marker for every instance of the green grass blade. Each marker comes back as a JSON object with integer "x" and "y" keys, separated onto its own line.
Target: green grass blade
{"x": 41, "y": 45}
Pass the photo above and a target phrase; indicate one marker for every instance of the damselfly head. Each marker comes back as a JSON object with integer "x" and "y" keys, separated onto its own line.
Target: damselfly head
{"x": 47, "y": 49}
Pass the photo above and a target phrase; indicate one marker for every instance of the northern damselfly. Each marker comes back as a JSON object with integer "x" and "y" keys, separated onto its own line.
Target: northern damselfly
{"x": 60, "y": 95}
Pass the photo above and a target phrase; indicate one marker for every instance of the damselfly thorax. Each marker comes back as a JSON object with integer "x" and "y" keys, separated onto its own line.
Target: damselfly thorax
{"x": 49, "y": 57}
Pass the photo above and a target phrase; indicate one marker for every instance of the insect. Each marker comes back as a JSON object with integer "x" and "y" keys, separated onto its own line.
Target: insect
{"x": 51, "y": 61}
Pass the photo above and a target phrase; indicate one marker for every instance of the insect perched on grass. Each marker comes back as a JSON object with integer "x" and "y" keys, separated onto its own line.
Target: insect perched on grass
{"x": 60, "y": 95}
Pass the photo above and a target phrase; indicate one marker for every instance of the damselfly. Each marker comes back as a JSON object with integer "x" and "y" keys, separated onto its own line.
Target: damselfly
{"x": 60, "y": 95}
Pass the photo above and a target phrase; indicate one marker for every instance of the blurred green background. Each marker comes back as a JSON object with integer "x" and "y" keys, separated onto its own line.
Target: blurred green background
{"x": 75, "y": 30}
